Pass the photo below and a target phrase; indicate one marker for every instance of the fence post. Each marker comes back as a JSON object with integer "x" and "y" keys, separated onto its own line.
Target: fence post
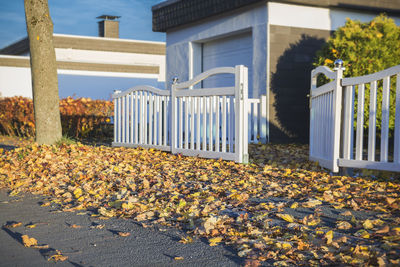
{"x": 117, "y": 115}
{"x": 337, "y": 109}
{"x": 241, "y": 118}
{"x": 173, "y": 115}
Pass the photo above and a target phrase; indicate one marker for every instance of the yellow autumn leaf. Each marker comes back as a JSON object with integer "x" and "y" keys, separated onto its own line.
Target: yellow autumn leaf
{"x": 128, "y": 206}
{"x": 182, "y": 203}
{"x": 294, "y": 205}
{"x": 312, "y": 203}
{"x": 329, "y": 237}
{"x": 368, "y": 224}
{"x": 286, "y": 217}
{"x": 343, "y": 225}
{"x": 58, "y": 257}
{"x": 214, "y": 241}
{"x": 77, "y": 192}
{"x": 28, "y": 241}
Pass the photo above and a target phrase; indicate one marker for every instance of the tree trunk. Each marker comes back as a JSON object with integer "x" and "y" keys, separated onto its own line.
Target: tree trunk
{"x": 46, "y": 100}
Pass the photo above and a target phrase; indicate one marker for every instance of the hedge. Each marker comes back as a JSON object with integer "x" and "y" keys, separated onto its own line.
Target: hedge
{"x": 80, "y": 118}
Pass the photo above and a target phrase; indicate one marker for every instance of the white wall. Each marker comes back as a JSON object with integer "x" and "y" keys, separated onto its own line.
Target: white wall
{"x": 179, "y": 44}
{"x": 15, "y": 82}
{"x": 103, "y": 57}
{"x": 315, "y": 17}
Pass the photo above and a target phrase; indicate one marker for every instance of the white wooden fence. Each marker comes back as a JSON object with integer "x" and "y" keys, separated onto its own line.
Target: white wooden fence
{"x": 334, "y": 142}
{"x": 208, "y": 122}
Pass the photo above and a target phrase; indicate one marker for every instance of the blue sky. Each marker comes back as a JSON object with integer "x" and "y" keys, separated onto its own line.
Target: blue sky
{"x": 79, "y": 17}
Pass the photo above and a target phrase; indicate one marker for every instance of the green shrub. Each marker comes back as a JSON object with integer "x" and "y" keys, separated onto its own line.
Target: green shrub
{"x": 365, "y": 48}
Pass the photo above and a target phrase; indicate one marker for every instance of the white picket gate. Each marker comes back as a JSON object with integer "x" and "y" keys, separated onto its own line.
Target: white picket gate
{"x": 208, "y": 122}
{"x": 334, "y": 142}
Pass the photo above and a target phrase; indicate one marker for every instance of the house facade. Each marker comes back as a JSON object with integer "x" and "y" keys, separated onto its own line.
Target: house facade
{"x": 276, "y": 40}
{"x": 88, "y": 66}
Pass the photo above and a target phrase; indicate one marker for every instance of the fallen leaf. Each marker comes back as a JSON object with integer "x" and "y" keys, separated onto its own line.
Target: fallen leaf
{"x": 214, "y": 241}
{"x": 312, "y": 203}
{"x": 31, "y": 225}
{"x": 343, "y": 225}
{"x": 58, "y": 257}
{"x": 186, "y": 240}
{"x": 13, "y": 225}
{"x": 178, "y": 258}
{"x": 286, "y": 217}
{"x": 75, "y": 226}
{"x": 346, "y": 213}
{"x": 124, "y": 234}
{"x": 368, "y": 224}
{"x": 390, "y": 201}
{"x": 28, "y": 241}
{"x": 383, "y": 230}
{"x": 329, "y": 237}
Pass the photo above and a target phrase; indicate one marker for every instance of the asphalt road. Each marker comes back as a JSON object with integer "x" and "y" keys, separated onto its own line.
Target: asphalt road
{"x": 88, "y": 244}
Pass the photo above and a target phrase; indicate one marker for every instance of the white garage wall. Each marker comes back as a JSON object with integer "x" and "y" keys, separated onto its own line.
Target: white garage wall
{"x": 229, "y": 51}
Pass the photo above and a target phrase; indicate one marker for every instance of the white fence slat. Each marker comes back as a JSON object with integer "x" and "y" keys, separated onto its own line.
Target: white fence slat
{"x": 147, "y": 117}
{"x": 186, "y": 133}
{"x": 231, "y": 123}
{"x": 217, "y": 124}
{"x": 180, "y": 120}
{"x": 385, "y": 120}
{"x": 150, "y": 120}
{"x": 210, "y": 129}
{"x": 372, "y": 121}
{"x": 136, "y": 117}
{"x": 249, "y": 114}
{"x": 127, "y": 140}
{"x": 155, "y": 113}
{"x": 198, "y": 123}
{"x": 159, "y": 121}
{"x": 360, "y": 122}
{"x": 204, "y": 114}
{"x": 123, "y": 119}
{"x": 192, "y": 120}
{"x": 165, "y": 126}
{"x": 224, "y": 128}
{"x": 116, "y": 115}
{"x": 131, "y": 117}
{"x": 396, "y": 155}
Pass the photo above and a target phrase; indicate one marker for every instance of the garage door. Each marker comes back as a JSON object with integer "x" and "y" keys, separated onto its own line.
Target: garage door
{"x": 228, "y": 52}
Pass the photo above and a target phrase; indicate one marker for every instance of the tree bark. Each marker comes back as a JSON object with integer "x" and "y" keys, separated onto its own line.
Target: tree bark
{"x": 46, "y": 101}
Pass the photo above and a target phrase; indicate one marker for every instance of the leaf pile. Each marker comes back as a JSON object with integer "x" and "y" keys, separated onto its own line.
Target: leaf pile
{"x": 80, "y": 117}
{"x": 284, "y": 213}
